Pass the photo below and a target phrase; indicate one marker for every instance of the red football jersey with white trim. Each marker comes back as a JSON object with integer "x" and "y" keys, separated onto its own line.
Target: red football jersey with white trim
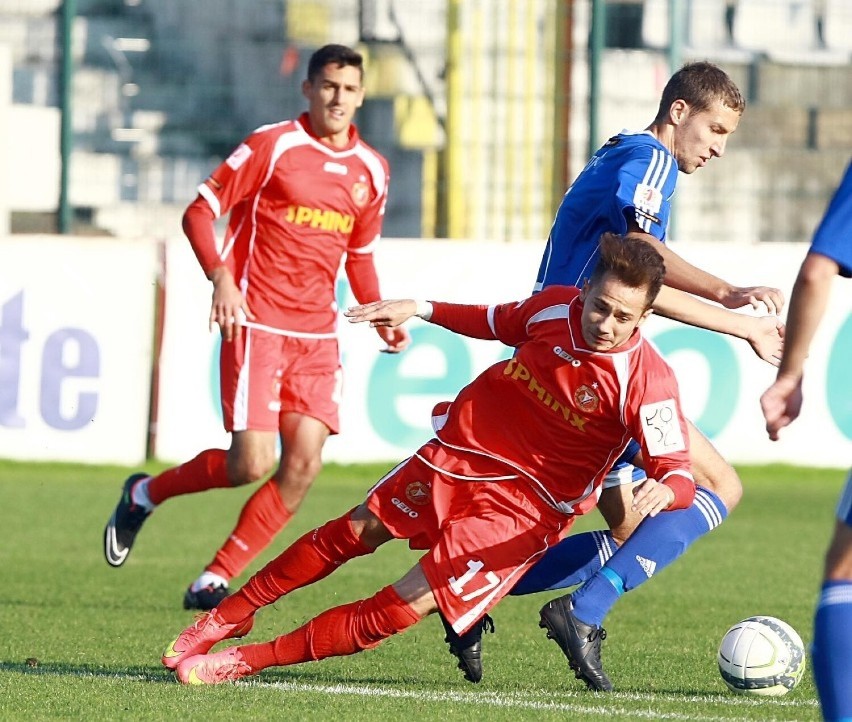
{"x": 296, "y": 207}
{"x": 559, "y": 412}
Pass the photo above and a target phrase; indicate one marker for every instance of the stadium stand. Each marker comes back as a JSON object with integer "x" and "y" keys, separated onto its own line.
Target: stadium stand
{"x": 784, "y": 30}
{"x": 161, "y": 92}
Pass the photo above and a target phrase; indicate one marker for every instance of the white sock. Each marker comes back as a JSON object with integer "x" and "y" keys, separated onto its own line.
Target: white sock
{"x": 208, "y": 579}
{"x": 139, "y": 495}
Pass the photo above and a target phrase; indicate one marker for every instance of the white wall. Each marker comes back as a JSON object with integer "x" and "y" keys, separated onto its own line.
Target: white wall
{"x": 5, "y": 142}
{"x": 387, "y": 400}
{"x": 76, "y": 327}
{"x": 76, "y": 321}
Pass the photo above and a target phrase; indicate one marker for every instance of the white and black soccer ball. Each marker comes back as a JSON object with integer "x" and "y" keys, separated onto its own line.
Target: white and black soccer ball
{"x": 761, "y": 655}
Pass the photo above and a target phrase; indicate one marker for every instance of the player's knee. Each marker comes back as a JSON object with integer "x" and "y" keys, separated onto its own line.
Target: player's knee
{"x": 249, "y": 470}
{"x": 368, "y": 527}
{"x": 300, "y": 470}
{"x": 723, "y": 481}
{"x": 729, "y": 488}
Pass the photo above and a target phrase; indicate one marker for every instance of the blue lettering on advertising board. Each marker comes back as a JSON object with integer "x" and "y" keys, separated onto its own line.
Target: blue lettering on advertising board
{"x": 68, "y": 354}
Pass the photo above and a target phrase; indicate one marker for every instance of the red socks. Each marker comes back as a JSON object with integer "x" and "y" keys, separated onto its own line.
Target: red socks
{"x": 208, "y": 470}
{"x": 337, "y": 632}
{"x": 262, "y": 517}
{"x": 308, "y": 559}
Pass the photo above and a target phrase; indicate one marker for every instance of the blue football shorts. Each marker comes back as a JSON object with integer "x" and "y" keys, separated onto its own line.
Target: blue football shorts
{"x": 622, "y": 471}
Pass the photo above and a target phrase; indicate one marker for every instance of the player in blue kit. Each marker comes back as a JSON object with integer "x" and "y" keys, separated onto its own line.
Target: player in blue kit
{"x": 830, "y": 255}
{"x": 627, "y": 187}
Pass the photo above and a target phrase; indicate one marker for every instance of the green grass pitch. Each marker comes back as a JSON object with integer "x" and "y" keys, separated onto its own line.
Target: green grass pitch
{"x": 80, "y": 640}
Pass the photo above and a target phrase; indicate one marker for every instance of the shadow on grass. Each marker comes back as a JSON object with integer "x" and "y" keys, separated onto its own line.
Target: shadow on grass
{"x": 38, "y": 668}
{"x": 275, "y": 675}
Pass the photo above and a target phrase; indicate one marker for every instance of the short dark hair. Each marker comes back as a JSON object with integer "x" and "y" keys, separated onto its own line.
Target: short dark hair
{"x": 631, "y": 260}
{"x": 339, "y": 55}
{"x": 700, "y": 84}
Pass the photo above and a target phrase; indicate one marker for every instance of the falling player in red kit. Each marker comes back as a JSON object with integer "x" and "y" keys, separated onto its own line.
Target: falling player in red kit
{"x": 520, "y": 452}
{"x": 301, "y": 194}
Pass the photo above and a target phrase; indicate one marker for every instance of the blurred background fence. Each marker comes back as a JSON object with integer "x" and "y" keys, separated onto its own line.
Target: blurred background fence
{"x": 112, "y": 111}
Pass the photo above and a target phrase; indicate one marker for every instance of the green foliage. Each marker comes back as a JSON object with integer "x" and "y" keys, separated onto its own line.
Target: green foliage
{"x": 82, "y": 640}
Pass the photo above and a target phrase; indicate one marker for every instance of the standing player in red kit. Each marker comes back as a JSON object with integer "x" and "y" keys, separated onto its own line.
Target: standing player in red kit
{"x": 301, "y": 194}
{"x": 520, "y": 452}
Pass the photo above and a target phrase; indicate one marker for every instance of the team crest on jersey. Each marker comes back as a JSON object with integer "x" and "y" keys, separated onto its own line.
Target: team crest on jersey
{"x": 586, "y": 399}
{"x": 360, "y": 193}
{"x": 417, "y": 493}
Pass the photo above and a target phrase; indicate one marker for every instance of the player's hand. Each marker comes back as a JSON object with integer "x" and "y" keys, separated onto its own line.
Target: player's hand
{"x": 650, "y": 497}
{"x": 382, "y": 313}
{"x": 781, "y": 404}
{"x": 766, "y": 337}
{"x": 229, "y": 308}
{"x": 396, "y": 339}
{"x": 756, "y": 297}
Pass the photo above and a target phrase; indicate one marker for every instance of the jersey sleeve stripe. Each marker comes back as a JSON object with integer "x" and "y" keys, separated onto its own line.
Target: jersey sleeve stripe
{"x": 206, "y": 192}
{"x": 369, "y": 248}
{"x": 490, "y": 318}
{"x": 374, "y": 165}
{"x": 550, "y": 313}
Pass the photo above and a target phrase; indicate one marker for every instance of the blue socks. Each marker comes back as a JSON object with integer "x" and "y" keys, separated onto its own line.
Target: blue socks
{"x": 831, "y": 652}
{"x": 655, "y": 544}
{"x": 571, "y": 562}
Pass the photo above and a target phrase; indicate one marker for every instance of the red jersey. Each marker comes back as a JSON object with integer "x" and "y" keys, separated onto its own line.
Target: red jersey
{"x": 559, "y": 412}
{"x": 296, "y": 207}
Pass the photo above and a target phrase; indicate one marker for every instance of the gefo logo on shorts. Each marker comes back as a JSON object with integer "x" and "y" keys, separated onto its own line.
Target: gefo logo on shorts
{"x": 403, "y": 507}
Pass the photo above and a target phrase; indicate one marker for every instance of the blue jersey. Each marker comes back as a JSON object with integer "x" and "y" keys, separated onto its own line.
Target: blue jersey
{"x": 631, "y": 178}
{"x": 833, "y": 237}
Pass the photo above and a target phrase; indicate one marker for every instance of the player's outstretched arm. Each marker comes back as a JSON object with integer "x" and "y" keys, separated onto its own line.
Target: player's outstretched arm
{"x": 755, "y": 296}
{"x": 765, "y": 334}
{"x": 383, "y": 313}
{"x": 782, "y": 402}
{"x": 684, "y": 276}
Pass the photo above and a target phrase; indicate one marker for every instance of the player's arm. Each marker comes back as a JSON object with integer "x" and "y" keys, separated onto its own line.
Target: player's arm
{"x": 228, "y": 303}
{"x": 506, "y": 322}
{"x": 656, "y": 421}
{"x": 683, "y": 276}
{"x": 464, "y": 319}
{"x": 810, "y": 293}
{"x": 782, "y": 402}
{"x": 646, "y": 208}
{"x": 765, "y": 334}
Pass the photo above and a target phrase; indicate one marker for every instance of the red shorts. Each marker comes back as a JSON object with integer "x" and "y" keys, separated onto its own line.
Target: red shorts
{"x": 481, "y": 535}
{"x": 263, "y": 375}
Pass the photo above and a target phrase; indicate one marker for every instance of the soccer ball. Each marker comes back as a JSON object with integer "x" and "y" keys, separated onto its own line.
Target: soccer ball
{"x": 761, "y": 655}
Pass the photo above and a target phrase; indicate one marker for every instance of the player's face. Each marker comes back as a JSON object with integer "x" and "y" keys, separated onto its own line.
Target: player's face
{"x": 701, "y": 135}
{"x": 611, "y": 312}
{"x": 333, "y": 97}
